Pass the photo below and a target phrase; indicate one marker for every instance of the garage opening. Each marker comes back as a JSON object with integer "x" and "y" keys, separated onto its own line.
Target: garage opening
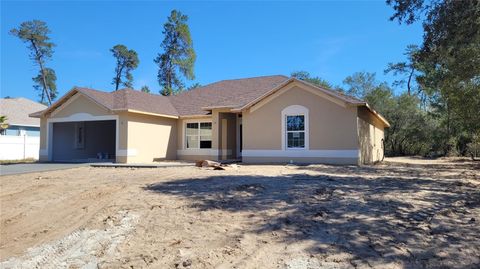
{"x": 84, "y": 141}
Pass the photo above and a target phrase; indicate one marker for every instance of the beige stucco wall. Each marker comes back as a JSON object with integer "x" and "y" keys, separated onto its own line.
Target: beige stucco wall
{"x": 80, "y": 104}
{"x": 227, "y": 139}
{"x": 371, "y": 134}
{"x": 332, "y": 127}
{"x": 43, "y": 140}
{"x": 150, "y": 138}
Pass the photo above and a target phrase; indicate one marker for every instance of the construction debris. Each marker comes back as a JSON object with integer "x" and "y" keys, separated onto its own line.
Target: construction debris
{"x": 214, "y": 165}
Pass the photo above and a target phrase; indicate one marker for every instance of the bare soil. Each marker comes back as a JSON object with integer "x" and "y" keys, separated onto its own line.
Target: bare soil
{"x": 404, "y": 213}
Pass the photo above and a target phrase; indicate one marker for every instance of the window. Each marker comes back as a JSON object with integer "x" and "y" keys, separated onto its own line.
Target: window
{"x": 295, "y": 131}
{"x": 198, "y": 135}
{"x": 80, "y": 135}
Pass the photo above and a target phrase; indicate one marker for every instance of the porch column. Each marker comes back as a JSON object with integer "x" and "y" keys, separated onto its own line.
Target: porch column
{"x": 216, "y": 132}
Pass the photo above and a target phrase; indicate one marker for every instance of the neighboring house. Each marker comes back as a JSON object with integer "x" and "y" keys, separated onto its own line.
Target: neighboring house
{"x": 21, "y": 139}
{"x": 261, "y": 119}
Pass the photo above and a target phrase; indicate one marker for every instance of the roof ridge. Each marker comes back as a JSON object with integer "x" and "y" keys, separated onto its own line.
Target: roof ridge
{"x": 250, "y": 78}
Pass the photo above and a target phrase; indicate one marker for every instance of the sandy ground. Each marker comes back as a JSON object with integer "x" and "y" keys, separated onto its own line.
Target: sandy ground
{"x": 405, "y": 213}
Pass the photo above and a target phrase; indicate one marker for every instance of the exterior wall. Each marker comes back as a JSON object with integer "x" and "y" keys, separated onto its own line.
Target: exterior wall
{"x": 332, "y": 132}
{"x": 79, "y": 104}
{"x": 43, "y": 151}
{"x": 122, "y": 138}
{"x": 371, "y": 135}
{"x": 150, "y": 138}
{"x": 227, "y": 137}
{"x": 99, "y": 138}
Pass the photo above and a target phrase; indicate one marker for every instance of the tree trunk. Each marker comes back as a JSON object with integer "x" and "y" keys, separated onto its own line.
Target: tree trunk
{"x": 42, "y": 70}
{"x": 409, "y": 81}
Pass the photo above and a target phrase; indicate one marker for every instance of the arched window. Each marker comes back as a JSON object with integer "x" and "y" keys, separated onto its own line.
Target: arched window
{"x": 295, "y": 128}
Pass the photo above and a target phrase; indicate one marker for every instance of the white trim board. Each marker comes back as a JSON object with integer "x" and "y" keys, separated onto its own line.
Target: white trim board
{"x": 327, "y": 153}
{"x": 127, "y": 152}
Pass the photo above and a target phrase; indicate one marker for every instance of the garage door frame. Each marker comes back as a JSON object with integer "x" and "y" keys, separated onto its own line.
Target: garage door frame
{"x": 76, "y": 118}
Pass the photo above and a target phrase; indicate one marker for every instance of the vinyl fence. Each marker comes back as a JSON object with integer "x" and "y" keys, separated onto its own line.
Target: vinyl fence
{"x": 19, "y": 147}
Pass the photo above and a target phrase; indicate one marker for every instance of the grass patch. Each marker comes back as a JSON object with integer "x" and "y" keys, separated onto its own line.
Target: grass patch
{"x": 28, "y": 160}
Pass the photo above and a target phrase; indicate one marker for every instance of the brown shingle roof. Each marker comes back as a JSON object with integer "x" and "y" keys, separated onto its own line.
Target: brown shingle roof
{"x": 122, "y": 100}
{"x": 234, "y": 94}
{"x": 226, "y": 93}
{"x": 136, "y": 100}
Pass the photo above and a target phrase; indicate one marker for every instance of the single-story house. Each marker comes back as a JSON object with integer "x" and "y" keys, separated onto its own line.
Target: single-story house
{"x": 21, "y": 140}
{"x": 17, "y": 111}
{"x": 258, "y": 120}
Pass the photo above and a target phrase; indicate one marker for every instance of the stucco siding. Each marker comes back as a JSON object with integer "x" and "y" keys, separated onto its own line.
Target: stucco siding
{"x": 301, "y": 160}
{"x": 151, "y": 138}
{"x": 79, "y": 104}
{"x": 371, "y": 135}
{"x": 43, "y": 154}
{"x": 330, "y": 127}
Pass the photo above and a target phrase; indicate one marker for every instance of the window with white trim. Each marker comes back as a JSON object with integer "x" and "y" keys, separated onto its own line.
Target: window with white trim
{"x": 295, "y": 131}
{"x": 198, "y": 135}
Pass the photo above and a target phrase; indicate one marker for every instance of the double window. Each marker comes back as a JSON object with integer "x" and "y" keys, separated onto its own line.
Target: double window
{"x": 198, "y": 135}
{"x": 295, "y": 131}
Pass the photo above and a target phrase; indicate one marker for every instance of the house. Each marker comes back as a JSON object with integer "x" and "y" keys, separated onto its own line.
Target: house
{"x": 21, "y": 139}
{"x": 17, "y": 110}
{"x": 258, "y": 120}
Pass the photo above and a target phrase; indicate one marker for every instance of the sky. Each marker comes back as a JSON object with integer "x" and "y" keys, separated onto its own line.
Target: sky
{"x": 232, "y": 40}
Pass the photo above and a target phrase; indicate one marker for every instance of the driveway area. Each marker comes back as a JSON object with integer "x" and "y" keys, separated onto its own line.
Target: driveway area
{"x": 406, "y": 213}
{"x": 22, "y": 168}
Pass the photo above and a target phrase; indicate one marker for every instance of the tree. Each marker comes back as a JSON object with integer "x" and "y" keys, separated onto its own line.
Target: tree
{"x": 360, "y": 84}
{"x": 305, "y": 76}
{"x": 448, "y": 61}
{"x": 451, "y": 34}
{"x": 194, "y": 86}
{"x": 35, "y": 35}
{"x": 50, "y": 78}
{"x": 127, "y": 60}
{"x": 145, "y": 88}
{"x": 3, "y": 124}
{"x": 408, "y": 70}
{"x": 178, "y": 56}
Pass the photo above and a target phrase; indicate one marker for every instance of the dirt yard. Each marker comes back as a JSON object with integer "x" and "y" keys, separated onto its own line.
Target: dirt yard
{"x": 405, "y": 213}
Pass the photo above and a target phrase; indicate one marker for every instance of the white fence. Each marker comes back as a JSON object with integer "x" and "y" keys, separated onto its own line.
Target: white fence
{"x": 19, "y": 147}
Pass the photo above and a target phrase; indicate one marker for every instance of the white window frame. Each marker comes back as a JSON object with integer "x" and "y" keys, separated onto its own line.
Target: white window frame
{"x": 299, "y": 131}
{"x": 199, "y": 122}
{"x": 295, "y": 110}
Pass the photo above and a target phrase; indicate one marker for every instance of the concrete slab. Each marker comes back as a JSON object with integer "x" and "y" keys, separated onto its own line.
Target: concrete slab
{"x": 143, "y": 165}
{"x": 24, "y": 168}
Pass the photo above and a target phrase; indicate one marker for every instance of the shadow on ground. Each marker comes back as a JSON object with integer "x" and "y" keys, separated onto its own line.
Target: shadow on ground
{"x": 374, "y": 214}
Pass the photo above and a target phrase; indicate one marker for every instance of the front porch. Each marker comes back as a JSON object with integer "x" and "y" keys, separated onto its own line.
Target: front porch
{"x": 215, "y": 137}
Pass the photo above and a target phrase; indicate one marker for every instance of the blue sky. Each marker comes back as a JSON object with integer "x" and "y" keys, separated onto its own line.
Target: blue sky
{"x": 232, "y": 40}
